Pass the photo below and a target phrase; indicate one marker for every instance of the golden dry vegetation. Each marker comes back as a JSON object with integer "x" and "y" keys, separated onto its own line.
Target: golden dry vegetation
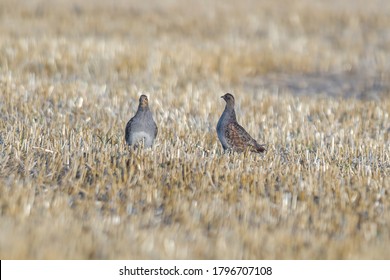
{"x": 311, "y": 80}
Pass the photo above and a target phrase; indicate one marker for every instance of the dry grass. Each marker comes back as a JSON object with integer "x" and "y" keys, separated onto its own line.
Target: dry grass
{"x": 70, "y": 77}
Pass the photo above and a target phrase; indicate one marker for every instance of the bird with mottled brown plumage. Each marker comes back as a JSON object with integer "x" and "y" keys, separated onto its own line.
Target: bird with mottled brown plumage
{"x": 141, "y": 127}
{"x": 233, "y": 136}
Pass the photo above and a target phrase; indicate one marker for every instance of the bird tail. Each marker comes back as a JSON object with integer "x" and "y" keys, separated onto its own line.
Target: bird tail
{"x": 260, "y": 148}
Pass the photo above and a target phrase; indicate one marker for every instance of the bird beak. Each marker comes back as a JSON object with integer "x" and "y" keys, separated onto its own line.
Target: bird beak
{"x": 222, "y": 96}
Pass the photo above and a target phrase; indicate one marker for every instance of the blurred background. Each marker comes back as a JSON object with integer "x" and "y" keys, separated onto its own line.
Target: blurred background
{"x": 338, "y": 48}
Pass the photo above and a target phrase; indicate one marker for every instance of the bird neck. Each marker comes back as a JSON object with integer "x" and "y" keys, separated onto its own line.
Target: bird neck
{"x": 230, "y": 112}
{"x": 143, "y": 108}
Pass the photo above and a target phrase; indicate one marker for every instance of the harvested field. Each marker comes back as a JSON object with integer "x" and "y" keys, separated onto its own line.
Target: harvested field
{"x": 310, "y": 79}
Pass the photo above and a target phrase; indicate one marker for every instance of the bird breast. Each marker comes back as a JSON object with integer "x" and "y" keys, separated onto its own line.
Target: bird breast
{"x": 141, "y": 135}
{"x": 221, "y": 126}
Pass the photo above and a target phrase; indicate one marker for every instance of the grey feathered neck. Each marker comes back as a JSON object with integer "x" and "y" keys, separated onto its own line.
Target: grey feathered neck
{"x": 230, "y": 112}
{"x": 142, "y": 108}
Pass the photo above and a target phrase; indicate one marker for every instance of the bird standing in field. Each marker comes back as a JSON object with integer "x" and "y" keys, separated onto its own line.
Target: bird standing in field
{"x": 141, "y": 127}
{"x": 232, "y": 135}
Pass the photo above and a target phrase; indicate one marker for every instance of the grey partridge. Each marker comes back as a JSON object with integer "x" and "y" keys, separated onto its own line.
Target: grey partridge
{"x": 141, "y": 127}
{"x": 233, "y": 136}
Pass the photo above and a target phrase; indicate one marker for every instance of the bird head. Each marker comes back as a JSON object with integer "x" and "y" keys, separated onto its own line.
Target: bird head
{"x": 229, "y": 98}
{"x": 143, "y": 101}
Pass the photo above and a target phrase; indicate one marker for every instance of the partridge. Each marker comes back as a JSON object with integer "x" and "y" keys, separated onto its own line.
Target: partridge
{"x": 233, "y": 136}
{"x": 141, "y": 127}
